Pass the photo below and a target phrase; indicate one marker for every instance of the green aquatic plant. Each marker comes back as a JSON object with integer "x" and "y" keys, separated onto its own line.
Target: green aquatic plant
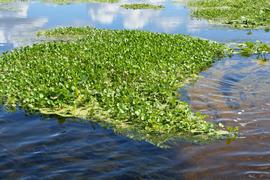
{"x": 127, "y": 80}
{"x": 257, "y": 48}
{"x": 233, "y": 134}
{"x": 79, "y": 1}
{"x": 142, "y": 6}
{"x": 236, "y": 13}
{"x": 6, "y": 1}
{"x": 67, "y": 1}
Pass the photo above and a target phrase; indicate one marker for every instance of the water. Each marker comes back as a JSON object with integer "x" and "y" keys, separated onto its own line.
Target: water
{"x": 235, "y": 91}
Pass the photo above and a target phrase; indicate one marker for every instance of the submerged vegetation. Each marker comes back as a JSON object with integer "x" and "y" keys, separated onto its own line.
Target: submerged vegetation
{"x": 127, "y": 80}
{"x": 142, "y": 6}
{"x": 237, "y": 13}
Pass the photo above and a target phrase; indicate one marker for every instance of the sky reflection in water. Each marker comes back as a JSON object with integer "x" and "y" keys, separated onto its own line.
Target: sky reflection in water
{"x": 19, "y": 21}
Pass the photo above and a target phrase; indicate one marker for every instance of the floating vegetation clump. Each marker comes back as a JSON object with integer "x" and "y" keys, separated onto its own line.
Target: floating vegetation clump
{"x": 237, "y": 13}
{"x": 142, "y": 6}
{"x": 261, "y": 50}
{"x": 79, "y": 1}
{"x": 6, "y": 1}
{"x": 67, "y": 1}
{"x": 127, "y": 80}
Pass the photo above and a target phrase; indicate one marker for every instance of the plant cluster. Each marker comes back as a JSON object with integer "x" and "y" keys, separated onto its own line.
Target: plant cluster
{"x": 255, "y": 48}
{"x": 127, "y": 80}
{"x": 67, "y": 1}
{"x": 6, "y": 1}
{"x": 142, "y": 6}
{"x": 237, "y": 13}
{"x": 79, "y": 1}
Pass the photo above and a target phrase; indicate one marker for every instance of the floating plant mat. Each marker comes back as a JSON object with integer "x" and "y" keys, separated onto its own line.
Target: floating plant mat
{"x": 127, "y": 80}
{"x": 237, "y": 13}
{"x": 79, "y": 1}
{"x": 142, "y": 6}
{"x": 66, "y": 1}
{"x": 6, "y": 1}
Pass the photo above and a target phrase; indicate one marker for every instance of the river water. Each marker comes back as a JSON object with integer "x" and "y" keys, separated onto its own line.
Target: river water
{"x": 235, "y": 91}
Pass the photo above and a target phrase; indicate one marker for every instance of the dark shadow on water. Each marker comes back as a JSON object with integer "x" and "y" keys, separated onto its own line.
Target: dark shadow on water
{"x": 33, "y": 146}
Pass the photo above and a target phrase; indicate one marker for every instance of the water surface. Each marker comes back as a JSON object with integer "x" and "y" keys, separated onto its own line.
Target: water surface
{"x": 235, "y": 91}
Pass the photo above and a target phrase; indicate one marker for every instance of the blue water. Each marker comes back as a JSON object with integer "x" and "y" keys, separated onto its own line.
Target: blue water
{"x": 18, "y": 25}
{"x": 34, "y": 147}
{"x": 235, "y": 91}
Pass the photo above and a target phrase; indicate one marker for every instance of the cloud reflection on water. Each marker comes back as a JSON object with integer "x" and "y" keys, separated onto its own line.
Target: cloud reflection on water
{"x": 16, "y": 26}
{"x": 115, "y": 17}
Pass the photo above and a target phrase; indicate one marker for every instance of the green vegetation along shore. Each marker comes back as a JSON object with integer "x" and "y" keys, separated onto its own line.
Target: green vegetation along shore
{"x": 127, "y": 80}
{"x": 238, "y": 13}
